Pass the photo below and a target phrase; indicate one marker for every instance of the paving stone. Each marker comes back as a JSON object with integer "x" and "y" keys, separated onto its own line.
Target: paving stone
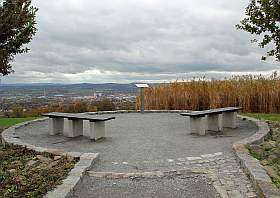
{"x": 193, "y": 158}
{"x": 71, "y": 180}
{"x": 208, "y": 155}
{"x": 235, "y": 194}
{"x": 74, "y": 154}
{"x": 251, "y": 195}
{"x": 62, "y": 192}
{"x": 85, "y": 162}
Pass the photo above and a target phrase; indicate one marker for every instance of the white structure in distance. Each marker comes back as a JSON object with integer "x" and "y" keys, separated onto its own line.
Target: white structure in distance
{"x": 141, "y": 87}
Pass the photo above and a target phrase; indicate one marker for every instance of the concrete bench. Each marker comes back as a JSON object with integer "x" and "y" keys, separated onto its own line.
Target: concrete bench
{"x": 213, "y": 119}
{"x": 74, "y": 127}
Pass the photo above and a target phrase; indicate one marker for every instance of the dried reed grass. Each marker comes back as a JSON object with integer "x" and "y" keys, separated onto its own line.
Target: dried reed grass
{"x": 252, "y": 93}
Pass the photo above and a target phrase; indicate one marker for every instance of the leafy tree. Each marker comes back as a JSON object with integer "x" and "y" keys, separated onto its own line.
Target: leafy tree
{"x": 263, "y": 20}
{"x": 17, "y": 27}
{"x": 17, "y": 111}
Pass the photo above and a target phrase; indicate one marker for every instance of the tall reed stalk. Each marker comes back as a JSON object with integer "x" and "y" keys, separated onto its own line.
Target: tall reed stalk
{"x": 252, "y": 93}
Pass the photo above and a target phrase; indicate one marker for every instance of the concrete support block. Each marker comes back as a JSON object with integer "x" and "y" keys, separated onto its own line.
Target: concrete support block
{"x": 56, "y": 126}
{"x": 66, "y": 127}
{"x": 206, "y": 122}
{"x": 74, "y": 129}
{"x": 86, "y": 131}
{"x": 229, "y": 119}
{"x": 97, "y": 130}
{"x": 198, "y": 125}
{"x": 215, "y": 122}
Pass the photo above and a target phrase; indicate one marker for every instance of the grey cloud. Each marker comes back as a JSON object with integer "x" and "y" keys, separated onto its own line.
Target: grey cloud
{"x": 157, "y": 38}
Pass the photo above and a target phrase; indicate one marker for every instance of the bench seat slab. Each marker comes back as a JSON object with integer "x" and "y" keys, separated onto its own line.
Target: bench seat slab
{"x": 229, "y": 119}
{"x": 215, "y": 122}
{"x": 198, "y": 125}
{"x": 56, "y": 126}
{"x": 97, "y": 130}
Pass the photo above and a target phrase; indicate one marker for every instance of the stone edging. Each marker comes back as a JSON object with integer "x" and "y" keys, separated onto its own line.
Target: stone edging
{"x": 258, "y": 176}
{"x": 148, "y": 174}
{"x": 75, "y": 176}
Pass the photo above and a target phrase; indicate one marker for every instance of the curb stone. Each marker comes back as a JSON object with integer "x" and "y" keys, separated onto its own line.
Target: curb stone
{"x": 149, "y": 174}
{"x": 258, "y": 176}
{"x": 75, "y": 176}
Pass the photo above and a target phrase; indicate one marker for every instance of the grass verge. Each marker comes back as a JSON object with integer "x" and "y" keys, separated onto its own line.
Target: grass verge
{"x": 7, "y": 122}
{"x": 264, "y": 116}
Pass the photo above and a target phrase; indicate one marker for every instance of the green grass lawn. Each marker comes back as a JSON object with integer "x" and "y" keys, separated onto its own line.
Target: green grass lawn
{"x": 263, "y": 116}
{"x": 7, "y": 122}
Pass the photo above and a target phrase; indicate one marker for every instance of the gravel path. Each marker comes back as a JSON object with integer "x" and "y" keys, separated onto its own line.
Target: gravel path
{"x": 175, "y": 187}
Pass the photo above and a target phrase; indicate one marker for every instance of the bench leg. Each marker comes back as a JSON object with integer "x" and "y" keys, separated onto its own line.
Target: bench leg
{"x": 56, "y": 126}
{"x": 75, "y": 128}
{"x": 86, "y": 131}
{"x": 97, "y": 130}
{"x": 229, "y": 119}
{"x": 198, "y": 125}
{"x": 215, "y": 122}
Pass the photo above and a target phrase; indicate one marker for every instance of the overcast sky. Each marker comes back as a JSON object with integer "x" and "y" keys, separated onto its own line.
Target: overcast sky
{"x": 137, "y": 40}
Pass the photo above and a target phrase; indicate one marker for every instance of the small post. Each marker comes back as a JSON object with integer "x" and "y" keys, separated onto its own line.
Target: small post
{"x": 142, "y": 96}
{"x": 142, "y": 100}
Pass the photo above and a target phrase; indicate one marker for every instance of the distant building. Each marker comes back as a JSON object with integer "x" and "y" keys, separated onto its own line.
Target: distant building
{"x": 97, "y": 94}
{"x": 59, "y": 95}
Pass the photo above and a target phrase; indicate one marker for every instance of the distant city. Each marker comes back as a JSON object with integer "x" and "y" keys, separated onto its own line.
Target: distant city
{"x": 33, "y": 96}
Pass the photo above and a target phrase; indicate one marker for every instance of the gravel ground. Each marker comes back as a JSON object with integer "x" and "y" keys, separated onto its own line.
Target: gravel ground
{"x": 196, "y": 186}
{"x": 147, "y": 142}
{"x": 136, "y": 138}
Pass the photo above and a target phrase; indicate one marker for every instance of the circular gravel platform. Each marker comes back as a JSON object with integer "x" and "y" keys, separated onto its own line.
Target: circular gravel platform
{"x": 135, "y": 137}
{"x": 136, "y": 143}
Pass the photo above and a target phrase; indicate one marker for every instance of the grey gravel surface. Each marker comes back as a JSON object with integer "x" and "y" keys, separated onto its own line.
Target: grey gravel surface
{"x": 136, "y": 138}
{"x": 196, "y": 186}
{"x": 153, "y": 141}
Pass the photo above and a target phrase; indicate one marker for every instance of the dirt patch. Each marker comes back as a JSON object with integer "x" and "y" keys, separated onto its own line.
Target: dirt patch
{"x": 26, "y": 173}
{"x": 269, "y": 152}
